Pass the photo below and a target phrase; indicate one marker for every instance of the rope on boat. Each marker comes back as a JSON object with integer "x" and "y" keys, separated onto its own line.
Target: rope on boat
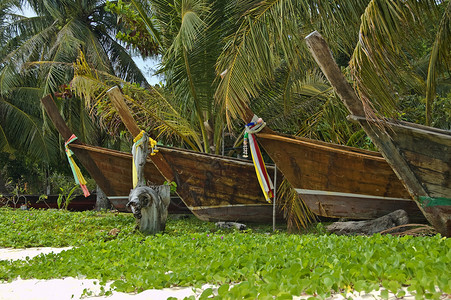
{"x": 79, "y": 179}
{"x": 255, "y": 126}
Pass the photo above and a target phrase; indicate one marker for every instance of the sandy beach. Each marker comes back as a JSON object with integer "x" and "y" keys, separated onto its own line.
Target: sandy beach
{"x": 77, "y": 288}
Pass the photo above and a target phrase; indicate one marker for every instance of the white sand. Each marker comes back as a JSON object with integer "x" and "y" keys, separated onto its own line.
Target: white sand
{"x": 73, "y": 288}
{"x": 14, "y": 254}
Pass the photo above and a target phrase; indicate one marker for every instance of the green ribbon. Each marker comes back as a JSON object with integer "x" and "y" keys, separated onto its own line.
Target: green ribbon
{"x": 434, "y": 201}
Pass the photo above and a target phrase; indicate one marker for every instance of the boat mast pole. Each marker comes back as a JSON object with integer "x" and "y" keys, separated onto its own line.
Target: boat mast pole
{"x": 274, "y": 200}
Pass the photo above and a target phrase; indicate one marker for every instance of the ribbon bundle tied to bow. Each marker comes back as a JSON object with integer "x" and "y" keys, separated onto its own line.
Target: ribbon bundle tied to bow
{"x": 265, "y": 182}
{"x": 138, "y": 140}
{"x": 79, "y": 179}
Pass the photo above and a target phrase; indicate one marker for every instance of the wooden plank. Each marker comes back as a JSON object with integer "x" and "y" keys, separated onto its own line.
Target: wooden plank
{"x": 310, "y": 166}
{"x": 54, "y": 115}
{"x": 436, "y": 134}
{"x": 301, "y": 140}
{"x": 117, "y": 99}
{"x": 422, "y": 161}
{"x": 332, "y": 148}
{"x": 359, "y": 207}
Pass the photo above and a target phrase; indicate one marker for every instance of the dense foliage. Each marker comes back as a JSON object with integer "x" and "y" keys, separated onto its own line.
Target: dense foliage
{"x": 244, "y": 264}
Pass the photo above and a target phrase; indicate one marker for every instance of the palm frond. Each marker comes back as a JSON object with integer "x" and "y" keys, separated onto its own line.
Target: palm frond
{"x": 150, "y": 107}
{"x": 440, "y": 56}
{"x": 388, "y": 42}
{"x": 27, "y": 132}
{"x": 298, "y": 214}
{"x": 271, "y": 34}
{"x": 143, "y": 8}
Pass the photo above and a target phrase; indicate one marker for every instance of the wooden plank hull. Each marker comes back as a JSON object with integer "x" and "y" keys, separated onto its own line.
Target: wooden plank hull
{"x": 427, "y": 152}
{"x": 225, "y": 186}
{"x": 339, "y": 181}
{"x": 214, "y": 188}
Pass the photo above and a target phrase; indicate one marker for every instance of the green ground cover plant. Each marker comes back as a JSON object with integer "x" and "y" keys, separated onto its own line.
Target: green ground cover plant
{"x": 249, "y": 264}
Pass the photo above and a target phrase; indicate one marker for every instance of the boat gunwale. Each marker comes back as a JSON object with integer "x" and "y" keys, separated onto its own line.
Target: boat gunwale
{"x": 165, "y": 148}
{"x": 323, "y": 145}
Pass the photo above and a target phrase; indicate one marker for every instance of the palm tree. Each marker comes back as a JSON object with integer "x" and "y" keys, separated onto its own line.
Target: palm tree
{"x": 271, "y": 35}
{"x": 189, "y": 37}
{"x": 37, "y": 57}
{"x": 43, "y": 48}
{"x": 392, "y": 46}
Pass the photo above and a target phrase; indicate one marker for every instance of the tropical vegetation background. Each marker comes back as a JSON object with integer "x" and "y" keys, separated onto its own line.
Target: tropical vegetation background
{"x": 215, "y": 58}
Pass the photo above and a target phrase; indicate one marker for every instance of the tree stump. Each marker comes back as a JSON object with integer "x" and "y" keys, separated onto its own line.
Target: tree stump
{"x": 150, "y": 207}
{"x": 102, "y": 202}
{"x": 396, "y": 218}
{"x": 148, "y": 204}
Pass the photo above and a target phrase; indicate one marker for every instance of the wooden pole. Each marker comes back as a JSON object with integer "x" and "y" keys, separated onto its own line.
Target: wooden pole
{"x": 117, "y": 99}
{"x": 274, "y": 200}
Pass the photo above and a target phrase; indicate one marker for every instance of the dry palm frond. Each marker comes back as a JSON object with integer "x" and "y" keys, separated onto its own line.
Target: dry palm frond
{"x": 297, "y": 213}
{"x": 410, "y": 229}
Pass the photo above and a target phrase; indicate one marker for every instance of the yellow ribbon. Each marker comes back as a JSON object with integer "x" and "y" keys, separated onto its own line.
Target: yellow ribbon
{"x": 137, "y": 142}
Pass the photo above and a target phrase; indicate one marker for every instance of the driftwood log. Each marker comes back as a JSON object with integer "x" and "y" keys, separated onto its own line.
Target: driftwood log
{"x": 230, "y": 225}
{"x": 148, "y": 204}
{"x": 396, "y": 218}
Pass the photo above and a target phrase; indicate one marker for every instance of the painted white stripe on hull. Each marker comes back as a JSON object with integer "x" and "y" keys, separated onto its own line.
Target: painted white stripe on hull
{"x": 329, "y": 193}
{"x": 227, "y": 206}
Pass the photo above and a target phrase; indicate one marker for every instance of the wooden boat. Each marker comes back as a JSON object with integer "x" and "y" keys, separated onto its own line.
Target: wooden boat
{"x": 213, "y": 187}
{"x": 339, "y": 181}
{"x": 419, "y": 155}
{"x": 333, "y": 181}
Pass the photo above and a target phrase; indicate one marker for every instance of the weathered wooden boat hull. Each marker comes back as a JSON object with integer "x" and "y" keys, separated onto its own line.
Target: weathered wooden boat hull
{"x": 419, "y": 155}
{"x": 205, "y": 182}
{"x": 339, "y": 181}
{"x": 427, "y": 154}
{"x": 212, "y": 187}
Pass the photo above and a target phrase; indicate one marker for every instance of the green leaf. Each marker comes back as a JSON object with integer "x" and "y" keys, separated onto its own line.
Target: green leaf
{"x": 205, "y": 294}
{"x": 223, "y": 289}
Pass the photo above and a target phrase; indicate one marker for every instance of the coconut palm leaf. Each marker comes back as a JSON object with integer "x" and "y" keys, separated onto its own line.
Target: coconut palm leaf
{"x": 40, "y": 51}
{"x": 297, "y": 213}
{"x": 271, "y": 34}
{"x": 150, "y": 107}
{"x": 439, "y": 57}
{"x": 143, "y": 8}
{"x": 389, "y": 43}
{"x": 27, "y": 132}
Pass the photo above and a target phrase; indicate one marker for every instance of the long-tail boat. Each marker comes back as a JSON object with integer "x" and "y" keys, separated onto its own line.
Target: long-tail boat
{"x": 419, "y": 155}
{"x": 339, "y": 181}
{"x": 213, "y": 187}
{"x": 333, "y": 181}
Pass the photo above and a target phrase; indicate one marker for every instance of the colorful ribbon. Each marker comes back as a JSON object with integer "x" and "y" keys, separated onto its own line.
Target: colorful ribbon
{"x": 262, "y": 174}
{"x": 79, "y": 179}
{"x": 138, "y": 140}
